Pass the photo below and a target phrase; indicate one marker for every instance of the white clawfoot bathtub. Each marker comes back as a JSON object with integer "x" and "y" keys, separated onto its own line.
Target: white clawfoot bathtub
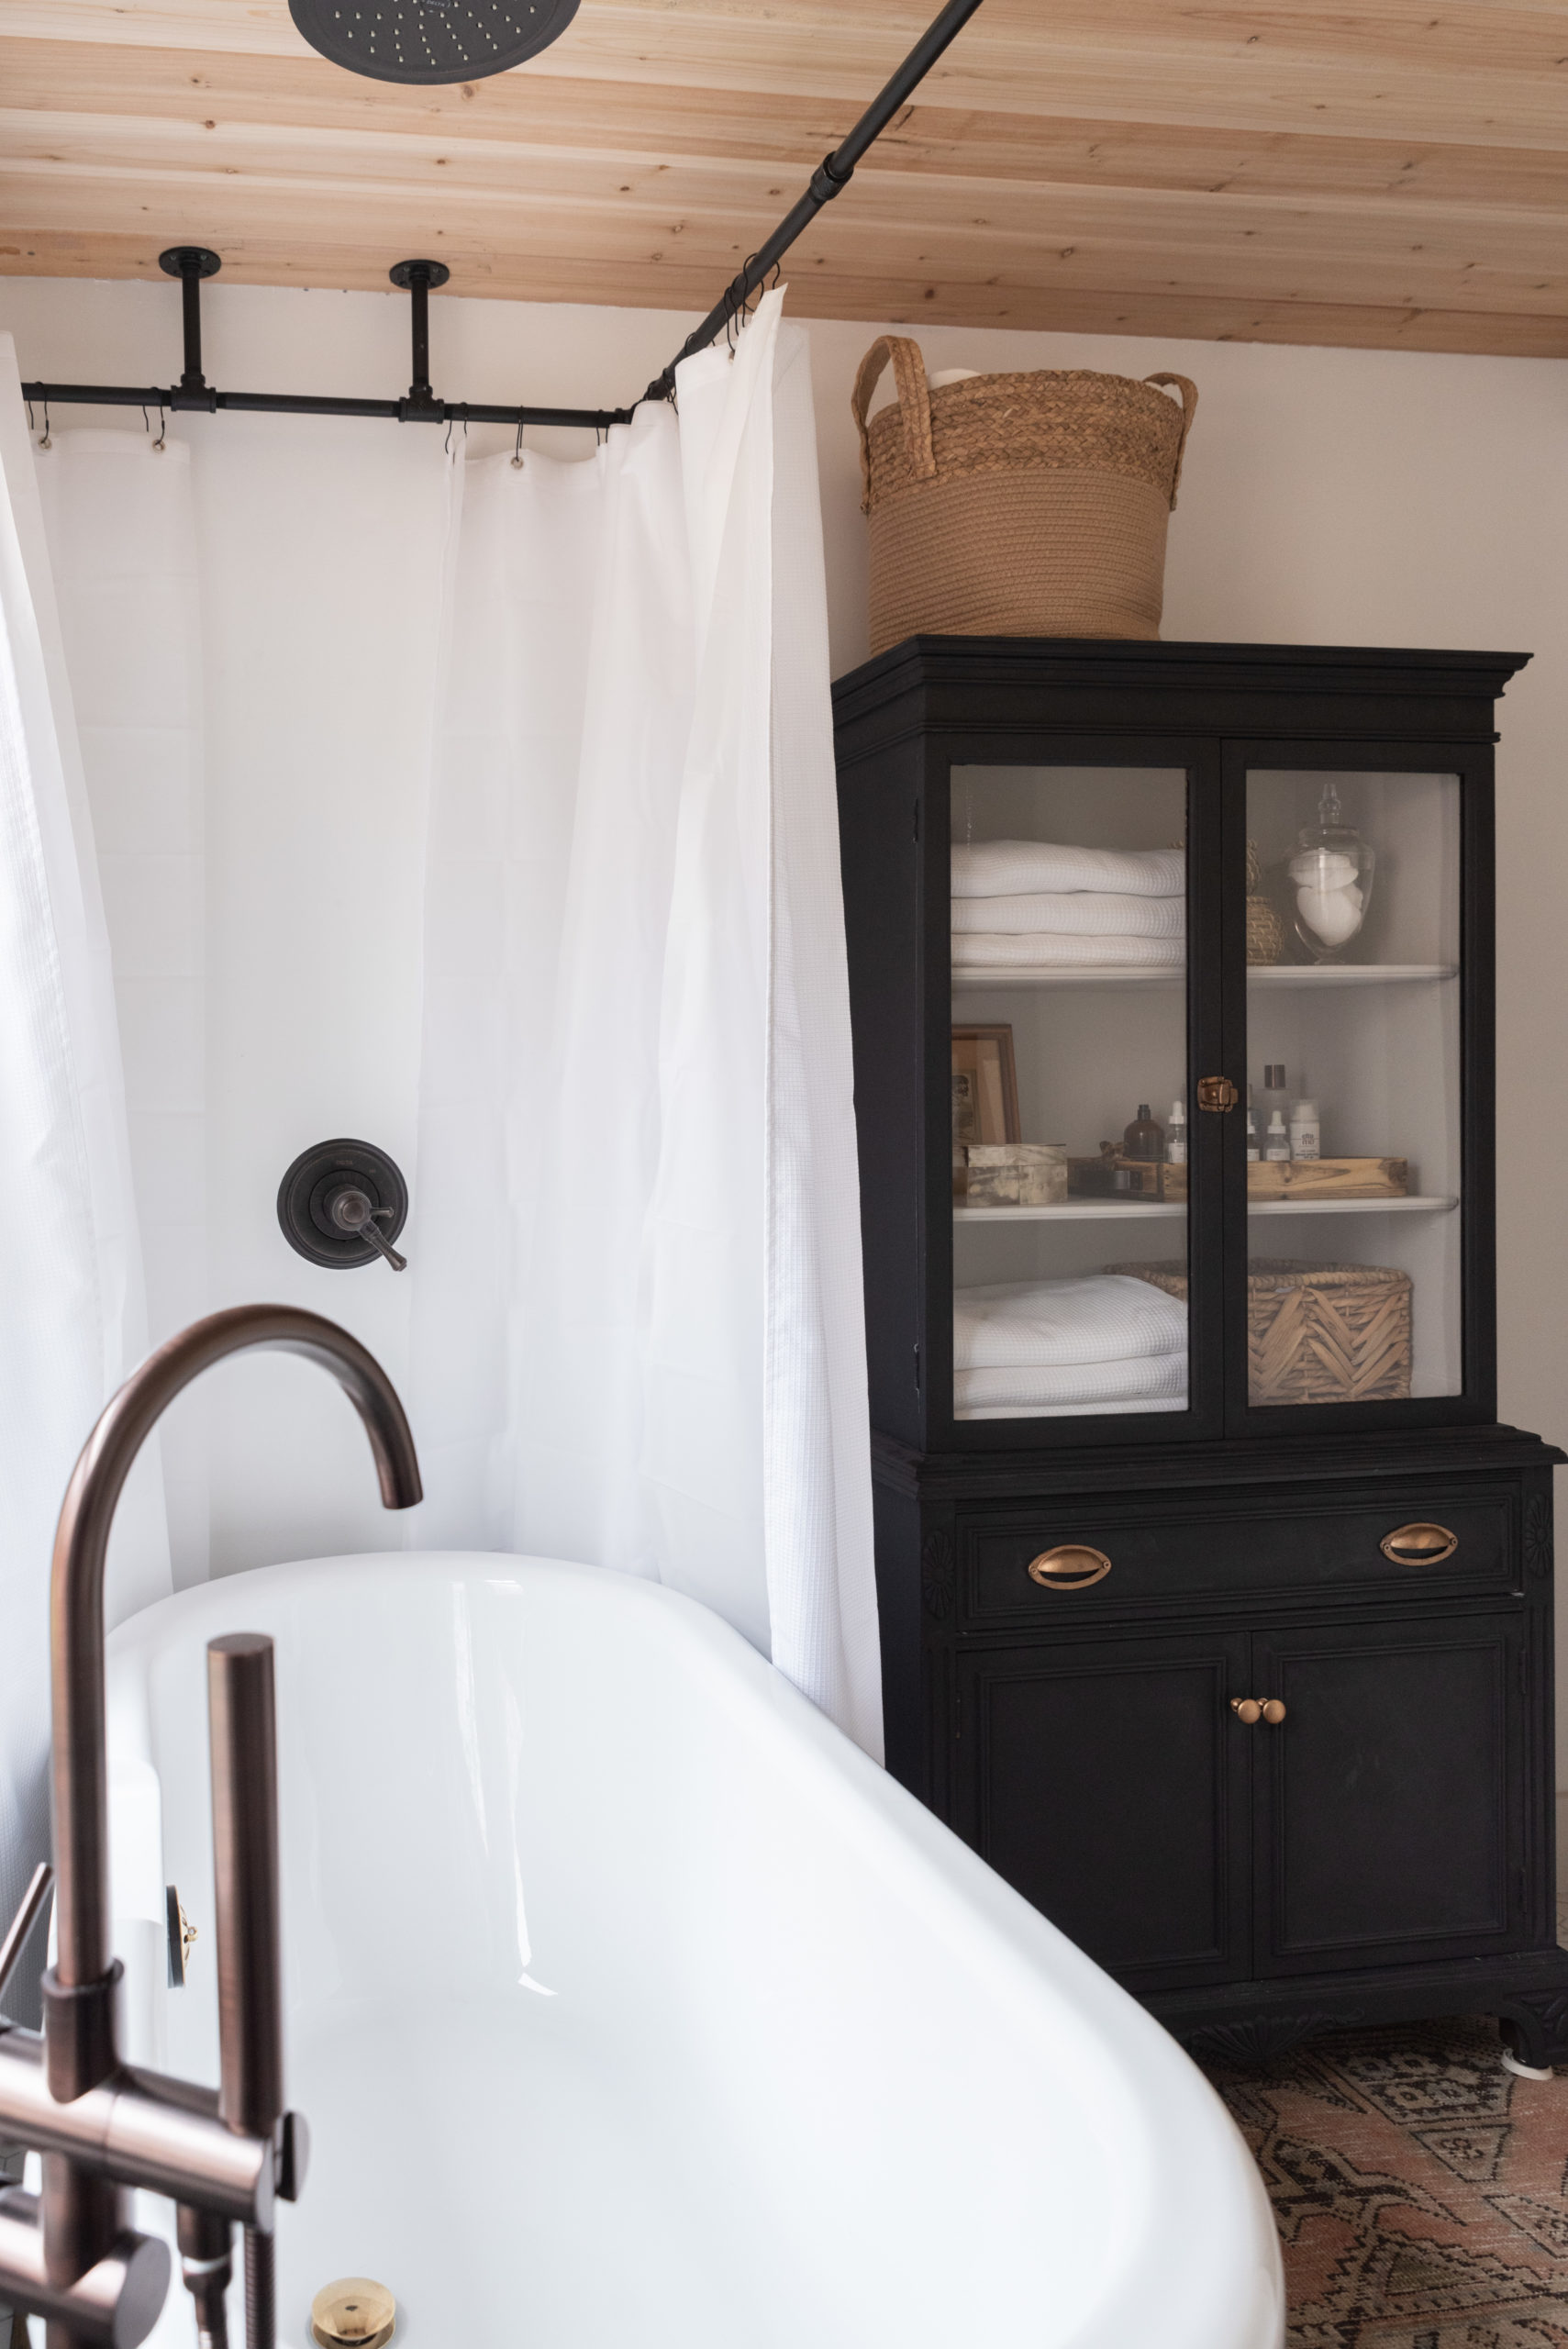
{"x": 632, "y": 2008}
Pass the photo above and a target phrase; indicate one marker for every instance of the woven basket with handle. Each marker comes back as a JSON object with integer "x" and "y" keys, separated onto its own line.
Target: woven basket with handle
{"x": 1030, "y": 505}
{"x": 1316, "y": 1333}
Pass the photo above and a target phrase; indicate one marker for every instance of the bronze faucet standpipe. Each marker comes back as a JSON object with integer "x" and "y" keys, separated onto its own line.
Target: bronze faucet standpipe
{"x": 222, "y": 2156}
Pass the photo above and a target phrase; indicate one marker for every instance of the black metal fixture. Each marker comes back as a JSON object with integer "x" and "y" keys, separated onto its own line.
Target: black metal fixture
{"x": 343, "y": 1203}
{"x": 416, "y": 278}
{"x": 421, "y": 405}
{"x": 430, "y": 40}
{"x": 190, "y": 264}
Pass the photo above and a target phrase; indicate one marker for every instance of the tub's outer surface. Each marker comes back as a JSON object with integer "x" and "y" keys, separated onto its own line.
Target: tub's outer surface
{"x": 629, "y": 2004}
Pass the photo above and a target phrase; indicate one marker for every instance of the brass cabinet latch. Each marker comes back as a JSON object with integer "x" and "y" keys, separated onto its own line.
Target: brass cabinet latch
{"x": 1217, "y": 1093}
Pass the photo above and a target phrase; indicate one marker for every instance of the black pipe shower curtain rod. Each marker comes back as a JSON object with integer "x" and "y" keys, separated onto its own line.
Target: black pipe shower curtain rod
{"x": 191, "y": 264}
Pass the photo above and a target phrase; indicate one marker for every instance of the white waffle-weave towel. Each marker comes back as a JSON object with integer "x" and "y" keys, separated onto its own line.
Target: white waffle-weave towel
{"x": 1008, "y": 949}
{"x": 1074, "y": 1318}
{"x": 1027, "y": 868}
{"x": 1094, "y": 913}
{"x": 1161, "y": 1376}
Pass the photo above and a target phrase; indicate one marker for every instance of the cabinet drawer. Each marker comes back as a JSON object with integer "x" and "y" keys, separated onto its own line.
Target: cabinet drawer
{"x": 1253, "y": 1547}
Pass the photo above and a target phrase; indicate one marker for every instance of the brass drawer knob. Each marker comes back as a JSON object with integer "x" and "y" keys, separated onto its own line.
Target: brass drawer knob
{"x": 1247, "y": 1709}
{"x": 1273, "y": 1711}
{"x": 1419, "y": 1546}
{"x": 1071, "y": 1566}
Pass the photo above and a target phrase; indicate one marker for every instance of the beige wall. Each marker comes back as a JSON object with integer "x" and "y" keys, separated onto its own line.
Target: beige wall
{"x": 1330, "y": 496}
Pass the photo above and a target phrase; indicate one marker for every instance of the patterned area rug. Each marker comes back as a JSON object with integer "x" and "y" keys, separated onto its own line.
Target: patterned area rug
{"x": 1419, "y": 2190}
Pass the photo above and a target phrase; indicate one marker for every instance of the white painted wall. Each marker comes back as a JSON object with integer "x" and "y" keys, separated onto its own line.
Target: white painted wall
{"x": 1330, "y": 496}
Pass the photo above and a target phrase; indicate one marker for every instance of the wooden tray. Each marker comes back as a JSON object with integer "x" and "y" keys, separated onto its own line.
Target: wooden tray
{"x": 1329, "y": 1178}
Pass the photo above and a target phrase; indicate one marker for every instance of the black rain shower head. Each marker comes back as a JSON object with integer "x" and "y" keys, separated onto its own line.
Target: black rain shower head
{"x": 430, "y": 40}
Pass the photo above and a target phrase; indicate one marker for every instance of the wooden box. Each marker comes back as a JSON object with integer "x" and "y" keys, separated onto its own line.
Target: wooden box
{"x": 1012, "y": 1173}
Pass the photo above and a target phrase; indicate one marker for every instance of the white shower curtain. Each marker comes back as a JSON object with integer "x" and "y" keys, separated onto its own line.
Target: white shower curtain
{"x": 637, "y": 1312}
{"x": 70, "y": 1304}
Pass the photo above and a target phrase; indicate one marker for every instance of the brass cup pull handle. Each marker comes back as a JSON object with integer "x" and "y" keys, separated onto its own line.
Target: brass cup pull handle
{"x": 1247, "y": 1710}
{"x": 1418, "y": 1545}
{"x": 1071, "y": 1566}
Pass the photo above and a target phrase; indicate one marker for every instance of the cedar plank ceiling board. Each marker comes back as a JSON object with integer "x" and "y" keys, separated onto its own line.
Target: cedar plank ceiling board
{"x": 1394, "y": 175}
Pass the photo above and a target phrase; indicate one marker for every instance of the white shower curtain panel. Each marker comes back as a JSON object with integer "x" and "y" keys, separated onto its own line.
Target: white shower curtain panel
{"x": 637, "y": 1315}
{"x": 71, "y": 1322}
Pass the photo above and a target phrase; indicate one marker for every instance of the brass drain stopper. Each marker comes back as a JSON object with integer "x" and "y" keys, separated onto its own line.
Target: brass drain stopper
{"x": 355, "y": 2312}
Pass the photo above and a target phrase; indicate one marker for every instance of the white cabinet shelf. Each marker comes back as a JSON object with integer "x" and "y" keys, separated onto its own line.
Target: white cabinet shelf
{"x": 1267, "y": 975}
{"x": 1126, "y": 1212}
{"x": 1072, "y": 1212}
{"x": 1345, "y": 975}
{"x": 1410, "y": 1205}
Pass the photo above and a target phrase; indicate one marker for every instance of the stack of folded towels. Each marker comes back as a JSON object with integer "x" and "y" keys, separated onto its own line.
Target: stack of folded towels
{"x": 1084, "y": 1343}
{"x": 1031, "y": 905}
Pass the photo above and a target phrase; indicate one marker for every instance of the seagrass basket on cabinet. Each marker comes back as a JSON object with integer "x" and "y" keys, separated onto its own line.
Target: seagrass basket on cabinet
{"x": 1316, "y": 1333}
{"x": 1018, "y": 505}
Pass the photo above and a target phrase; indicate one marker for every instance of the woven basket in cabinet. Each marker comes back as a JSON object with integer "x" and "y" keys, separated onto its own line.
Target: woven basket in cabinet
{"x": 1316, "y": 1333}
{"x": 1027, "y": 505}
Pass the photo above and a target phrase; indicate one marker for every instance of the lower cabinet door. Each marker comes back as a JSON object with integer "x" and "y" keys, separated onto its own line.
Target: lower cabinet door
{"x": 1106, "y": 1781}
{"x": 1389, "y": 1799}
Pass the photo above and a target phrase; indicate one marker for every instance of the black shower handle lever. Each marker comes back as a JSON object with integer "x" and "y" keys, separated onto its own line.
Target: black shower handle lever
{"x": 351, "y": 1211}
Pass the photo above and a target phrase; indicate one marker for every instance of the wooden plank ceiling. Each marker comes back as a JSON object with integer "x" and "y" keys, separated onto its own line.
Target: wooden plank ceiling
{"x": 1394, "y": 175}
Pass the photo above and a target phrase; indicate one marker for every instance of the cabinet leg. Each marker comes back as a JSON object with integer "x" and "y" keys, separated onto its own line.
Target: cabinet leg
{"x": 1526, "y": 2071}
{"x": 1535, "y": 2034}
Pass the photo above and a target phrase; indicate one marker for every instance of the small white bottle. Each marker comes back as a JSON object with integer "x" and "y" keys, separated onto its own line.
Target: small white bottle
{"x": 1277, "y": 1140}
{"x": 1252, "y": 1131}
{"x": 1176, "y": 1135}
{"x": 1306, "y": 1135}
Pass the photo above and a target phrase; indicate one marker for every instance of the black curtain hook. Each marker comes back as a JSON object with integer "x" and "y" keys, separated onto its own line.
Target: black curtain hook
{"x": 518, "y": 451}
{"x": 163, "y": 428}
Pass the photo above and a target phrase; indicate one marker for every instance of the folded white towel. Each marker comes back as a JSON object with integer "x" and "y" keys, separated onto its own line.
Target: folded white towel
{"x": 1024, "y": 868}
{"x": 1092, "y": 1382}
{"x": 1069, "y": 1320}
{"x": 994, "y": 950}
{"x": 1093, "y": 913}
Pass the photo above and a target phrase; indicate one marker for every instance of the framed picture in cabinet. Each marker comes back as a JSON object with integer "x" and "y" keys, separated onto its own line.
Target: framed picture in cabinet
{"x": 985, "y": 1085}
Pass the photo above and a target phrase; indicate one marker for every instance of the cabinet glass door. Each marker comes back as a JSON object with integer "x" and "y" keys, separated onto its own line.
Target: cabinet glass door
{"x": 1353, "y": 1167}
{"x": 1069, "y": 1091}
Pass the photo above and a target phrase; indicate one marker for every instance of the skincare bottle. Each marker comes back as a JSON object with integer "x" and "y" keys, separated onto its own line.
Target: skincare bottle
{"x": 1145, "y": 1138}
{"x": 1272, "y": 1096}
{"x": 1277, "y": 1151}
{"x": 1306, "y": 1137}
{"x": 1176, "y": 1136}
{"x": 1252, "y": 1150}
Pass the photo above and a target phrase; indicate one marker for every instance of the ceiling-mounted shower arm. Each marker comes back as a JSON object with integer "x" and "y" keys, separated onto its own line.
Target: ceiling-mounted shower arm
{"x": 190, "y": 264}
{"x": 416, "y": 278}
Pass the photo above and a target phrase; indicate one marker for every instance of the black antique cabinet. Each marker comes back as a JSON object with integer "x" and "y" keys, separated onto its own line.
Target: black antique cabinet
{"x": 1215, "y": 1604}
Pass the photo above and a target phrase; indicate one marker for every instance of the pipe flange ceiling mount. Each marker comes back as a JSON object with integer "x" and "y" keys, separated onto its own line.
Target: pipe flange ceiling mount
{"x": 430, "y": 40}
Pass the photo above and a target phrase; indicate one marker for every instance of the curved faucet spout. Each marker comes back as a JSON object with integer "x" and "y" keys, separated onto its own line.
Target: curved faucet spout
{"x": 79, "y": 1992}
